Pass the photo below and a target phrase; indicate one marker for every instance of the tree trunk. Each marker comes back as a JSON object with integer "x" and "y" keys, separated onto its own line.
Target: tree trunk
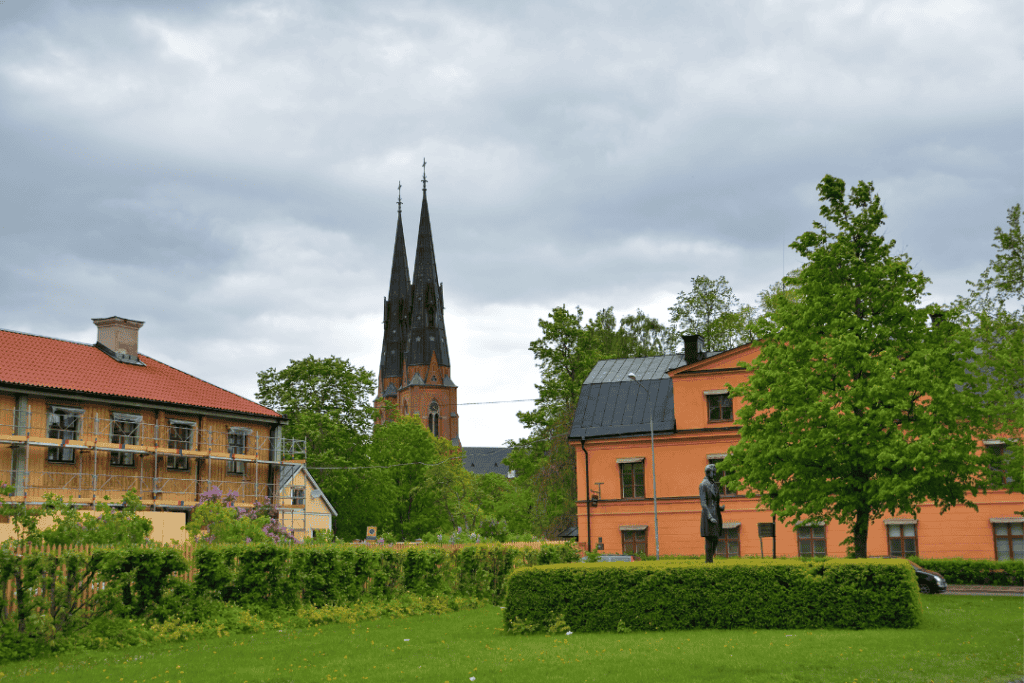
{"x": 860, "y": 534}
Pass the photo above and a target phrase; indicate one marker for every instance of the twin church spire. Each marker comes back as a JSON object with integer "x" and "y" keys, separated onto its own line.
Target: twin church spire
{"x": 415, "y": 349}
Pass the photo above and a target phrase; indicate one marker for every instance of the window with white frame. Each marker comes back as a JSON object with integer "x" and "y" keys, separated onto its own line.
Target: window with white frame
{"x": 65, "y": 424}
{"x": 238, "y": 440}
{"x": 124, "y": 431}
{"x": 299, "y": 495}
{"x": 180, "y": 434}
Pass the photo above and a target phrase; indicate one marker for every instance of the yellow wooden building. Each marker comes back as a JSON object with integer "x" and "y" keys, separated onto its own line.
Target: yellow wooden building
{"x": 91, "y": 421}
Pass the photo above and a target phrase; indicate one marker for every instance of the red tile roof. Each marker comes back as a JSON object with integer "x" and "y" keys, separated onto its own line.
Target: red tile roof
{"x": 35, "y": 361}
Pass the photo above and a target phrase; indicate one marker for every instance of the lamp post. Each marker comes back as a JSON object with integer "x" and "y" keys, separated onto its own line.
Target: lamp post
{"x": 654, "y": 467}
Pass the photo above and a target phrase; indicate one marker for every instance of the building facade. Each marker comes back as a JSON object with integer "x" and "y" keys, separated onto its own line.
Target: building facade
{"x": 88, "y": 422}
{"x": 415, "y": 370}
{"x": 684, "y": 398}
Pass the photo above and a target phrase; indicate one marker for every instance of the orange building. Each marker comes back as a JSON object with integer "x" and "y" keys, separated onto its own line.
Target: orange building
{"x": 415, "y": 371}
{"x": 693, "y": 422}
{"x": 89, "y": 421}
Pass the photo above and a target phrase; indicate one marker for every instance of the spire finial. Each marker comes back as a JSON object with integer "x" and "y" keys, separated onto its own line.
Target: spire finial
{"x": 424, "y": 175}
{"x": 399, "y": 197}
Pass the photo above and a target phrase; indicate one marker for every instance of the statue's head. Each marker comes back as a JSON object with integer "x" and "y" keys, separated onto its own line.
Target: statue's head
{"x": 710, "y": 472}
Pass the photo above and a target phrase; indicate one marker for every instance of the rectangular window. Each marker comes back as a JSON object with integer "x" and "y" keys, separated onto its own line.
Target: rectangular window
{"x": 238, "y": 440}
{"x": 632, "y": 475}
{"x": 1009, "y": 540}
{"x": 902, "y": 540}
{"x": 729, "y": 543}
{"x": 299, "y": 495}
{"x": 64, "y": 424}
{"x": 634, "y": 541}
{"x": 811, "y": 541}
{"x": 719, "y": 408}
{"x": 124, "y": 431}
{"x": 997, "y": 454}
{"x": 236, "y": 467}
{"x": 179, "y": 435}
{"x": 177, "y": 462}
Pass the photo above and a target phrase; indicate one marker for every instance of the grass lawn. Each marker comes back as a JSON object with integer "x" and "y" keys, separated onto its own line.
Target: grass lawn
{"x": 976, "y": 639}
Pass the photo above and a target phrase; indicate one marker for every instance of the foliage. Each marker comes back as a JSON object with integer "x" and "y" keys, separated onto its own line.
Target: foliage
{"x": 328, "y": 403}
{"x": 59, "y": 522}
{"x": 976, "y": 572}
{"x": 744, "y": 594}
{"x": 991, "y": 347}
{"x": 711, "y": 310}
{"x": 566, "y": 352}
{"x": 854, "y": 408}
{"x": 215, "y": 519}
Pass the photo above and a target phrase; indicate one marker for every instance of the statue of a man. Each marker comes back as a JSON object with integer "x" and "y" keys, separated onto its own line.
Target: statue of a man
{"x": 710, "y": 513}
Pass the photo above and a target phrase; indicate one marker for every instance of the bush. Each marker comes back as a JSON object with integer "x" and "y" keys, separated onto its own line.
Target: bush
{"x": 735, "y": 594}
{"x": 978, "y": 572}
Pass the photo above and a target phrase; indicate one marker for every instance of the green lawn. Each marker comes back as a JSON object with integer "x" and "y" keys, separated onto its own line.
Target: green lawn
{"x": 977, "y": 639}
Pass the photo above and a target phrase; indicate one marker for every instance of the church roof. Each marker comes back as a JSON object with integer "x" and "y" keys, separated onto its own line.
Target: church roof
{"x": 396, "y": 308}
{"x": 485, "y": 460}
{"x": 426, "y": 329}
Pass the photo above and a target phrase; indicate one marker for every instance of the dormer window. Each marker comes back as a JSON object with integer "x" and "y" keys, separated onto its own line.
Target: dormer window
{"x": 719, "y": 405}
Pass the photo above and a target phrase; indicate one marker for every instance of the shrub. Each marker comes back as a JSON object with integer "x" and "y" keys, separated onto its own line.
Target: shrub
{"x": 980, "y": 572}
{"x": 736, "y": 594}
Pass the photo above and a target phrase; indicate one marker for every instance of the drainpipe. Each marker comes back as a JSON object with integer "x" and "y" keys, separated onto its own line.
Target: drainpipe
{"x": 586, "y": 461}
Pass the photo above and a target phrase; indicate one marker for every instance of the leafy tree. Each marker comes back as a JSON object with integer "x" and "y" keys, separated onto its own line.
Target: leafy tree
{"x": 711, "y": 310}
{"x": 991, "y": 347}
{"x": 853, "y": 408}
{"x": 566, "y": 352}
{"x": 328, "y": 403}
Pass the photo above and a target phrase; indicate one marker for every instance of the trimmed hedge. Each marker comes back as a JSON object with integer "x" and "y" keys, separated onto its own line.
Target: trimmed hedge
{"x": 279, "y": 576}
{"x": 851, "y": 594}
{"x": 977, "y": 572}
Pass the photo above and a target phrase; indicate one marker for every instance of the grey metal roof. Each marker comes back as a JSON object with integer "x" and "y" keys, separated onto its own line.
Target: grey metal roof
{"x": 611, "y": 404}
{"x": 618, "y": 369}
{"x": 486, "y": 460}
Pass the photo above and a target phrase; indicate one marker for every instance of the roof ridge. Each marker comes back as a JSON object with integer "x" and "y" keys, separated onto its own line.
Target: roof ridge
{"x": 43, "y": 336}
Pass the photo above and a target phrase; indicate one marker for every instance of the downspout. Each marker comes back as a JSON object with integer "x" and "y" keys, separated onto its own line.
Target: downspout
{"x": 586, "y": 461}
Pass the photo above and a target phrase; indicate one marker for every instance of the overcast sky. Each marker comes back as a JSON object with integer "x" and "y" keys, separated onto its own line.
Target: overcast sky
{"x": 226, "y": 171}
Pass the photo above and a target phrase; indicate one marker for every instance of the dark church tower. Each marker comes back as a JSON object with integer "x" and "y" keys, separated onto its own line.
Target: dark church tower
{"x": 416, "y": 375}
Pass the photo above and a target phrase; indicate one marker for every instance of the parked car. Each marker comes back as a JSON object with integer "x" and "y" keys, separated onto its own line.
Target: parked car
{"x": 611, "y": 558}
{"x": 929, "y": 581}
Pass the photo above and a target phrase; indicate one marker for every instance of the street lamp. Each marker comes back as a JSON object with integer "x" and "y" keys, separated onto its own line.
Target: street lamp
{"x": 654, "y": 467}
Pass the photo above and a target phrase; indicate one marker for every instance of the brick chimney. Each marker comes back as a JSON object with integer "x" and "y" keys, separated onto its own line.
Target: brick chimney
{"x": 693, "y": 348}
{"x": 119, "y": 337}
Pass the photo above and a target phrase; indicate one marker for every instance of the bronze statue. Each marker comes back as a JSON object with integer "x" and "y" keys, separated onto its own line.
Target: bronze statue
{"x": 710, "y": 513}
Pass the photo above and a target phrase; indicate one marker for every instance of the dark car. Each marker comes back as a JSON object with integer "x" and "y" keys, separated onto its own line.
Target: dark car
{"x": 929, "y": 581}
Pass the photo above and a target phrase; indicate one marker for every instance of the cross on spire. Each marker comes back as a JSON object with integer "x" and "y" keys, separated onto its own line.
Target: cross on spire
{"x": 424, "y": 175}
{"x": 399, "y": 196}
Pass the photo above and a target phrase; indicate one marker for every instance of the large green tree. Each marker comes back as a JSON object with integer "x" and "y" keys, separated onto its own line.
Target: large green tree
{"x": 709, "y": 308}
{"x": 855, "y": 406}
{"x": 991, "y": 346}
{"x": 327, "y": 403}
{"x": 566, "y": 352}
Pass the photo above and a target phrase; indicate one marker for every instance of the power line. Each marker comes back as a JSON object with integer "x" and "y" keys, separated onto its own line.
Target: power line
{"x": 483, "y": 403}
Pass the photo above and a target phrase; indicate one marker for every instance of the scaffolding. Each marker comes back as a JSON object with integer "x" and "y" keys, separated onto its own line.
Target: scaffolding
{"x": 170, "y": 465}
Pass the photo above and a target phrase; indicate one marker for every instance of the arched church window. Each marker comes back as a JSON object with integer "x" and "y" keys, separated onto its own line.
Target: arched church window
{"x": 405, "y": 408}
{"x": 434, "y": 419}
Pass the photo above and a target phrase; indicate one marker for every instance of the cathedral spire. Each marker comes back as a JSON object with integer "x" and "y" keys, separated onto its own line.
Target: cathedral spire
{"x": 427, "y": 336}
{"x": 396, "y": 311}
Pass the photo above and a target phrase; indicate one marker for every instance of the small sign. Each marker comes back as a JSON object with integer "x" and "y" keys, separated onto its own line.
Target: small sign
{"x": 371, "y": 533}
{"x": 766, "y": 530}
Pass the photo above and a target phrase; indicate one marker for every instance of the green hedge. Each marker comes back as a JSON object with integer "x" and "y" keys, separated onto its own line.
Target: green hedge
{"x": 732, "y": 594}
{"x": 285, "y": 576}
{"x": 977, "y": 572}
